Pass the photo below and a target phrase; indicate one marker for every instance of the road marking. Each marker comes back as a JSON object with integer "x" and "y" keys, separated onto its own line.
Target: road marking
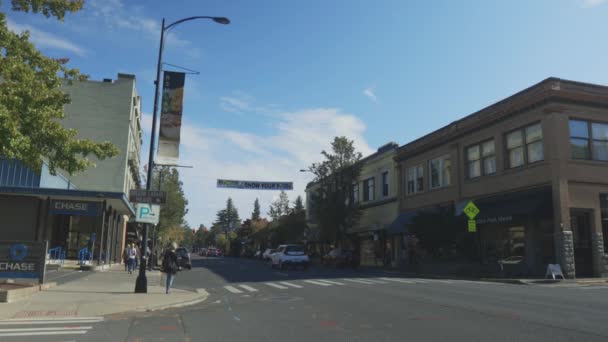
{"x": 248, "y": 288}
{"x": 37, "y": 319}
{"x": 277, "y": 286}
{"x": 330, "y": 281}
{"x": 47, "y": 322}
{"x": 44, "y": 329}
{"x": 372, "y": 281}
{"x": 591, "y": 287}
{"x": 359, "y": 281}
{"x": 233, "y": 289}
{"x": 43, "y": 333}
{"x": 317, "y": 283}
{"x": 399, "y": 280}
{"x": 290, "y": 284}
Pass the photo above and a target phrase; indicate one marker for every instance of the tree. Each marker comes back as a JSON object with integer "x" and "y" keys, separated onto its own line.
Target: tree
{"x": 298, "y": 205}
{"x": 32, "y": 101}
{"x": 255, "y": 215}
{"x": 279, "y": 207}
{"x": 333, "y": 186}
{"x": 227, "y": 221}
{"x": 174, "y": 211}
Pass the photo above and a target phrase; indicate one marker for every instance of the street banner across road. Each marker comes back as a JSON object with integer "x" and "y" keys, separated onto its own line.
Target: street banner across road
{"x": 171, "y": 117}
{"x": 23, "y": 259}
{"x": 253, "y": 185}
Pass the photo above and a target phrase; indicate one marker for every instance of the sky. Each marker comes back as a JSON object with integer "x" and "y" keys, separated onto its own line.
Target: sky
{"x": 285, "y": 77}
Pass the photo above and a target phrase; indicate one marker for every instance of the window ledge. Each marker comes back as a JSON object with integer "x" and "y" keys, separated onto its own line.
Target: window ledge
{"x": 588, "y": 162}
{"x": 524, "y": 167}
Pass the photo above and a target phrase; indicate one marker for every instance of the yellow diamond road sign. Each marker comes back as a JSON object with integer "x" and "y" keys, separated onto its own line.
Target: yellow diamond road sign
{"x": 471, "y": 210}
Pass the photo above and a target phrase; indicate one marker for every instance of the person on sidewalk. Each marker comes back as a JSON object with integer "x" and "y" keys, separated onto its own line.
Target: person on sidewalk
{"x": 170, "y": 265}
{"x": 132, "y": 255}
{"x": 125, "y": 258}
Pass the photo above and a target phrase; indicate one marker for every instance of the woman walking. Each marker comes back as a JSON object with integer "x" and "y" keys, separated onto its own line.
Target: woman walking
{"x": 170, "y": 265}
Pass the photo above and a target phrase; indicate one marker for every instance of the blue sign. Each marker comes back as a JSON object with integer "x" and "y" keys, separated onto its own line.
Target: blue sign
{"x": 18, "y": 252}
{"x": 22, "y": 259}
{"x": 75, "y": 208}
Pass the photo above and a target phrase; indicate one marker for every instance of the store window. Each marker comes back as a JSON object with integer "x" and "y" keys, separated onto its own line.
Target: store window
{"x": 588, "y": 140}
{"x": 604, "y": 214}
{"x": 440, "y": 169}
{"x": 415, "y": 179}
{"x": 525, "y": 146}
{"x": 369, "y": 189}
{"x": 481, "y": 159}
{"x": 504, "y": 243}
{"x": 355, "y": 198}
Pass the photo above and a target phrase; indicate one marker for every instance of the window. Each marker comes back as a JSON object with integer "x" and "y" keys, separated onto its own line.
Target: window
{"x": 440, "y": 172}
{"x": 355, "y": 198}
{"x": 415, "y": 179}
{"x": 385, "y": 184}
{"x": 481, "y": 159}
{"x": 588, "y": 140}
{"x": 368, "y": 189}
{"x": 604, "y": 215}
{"x": 525, "y": 146}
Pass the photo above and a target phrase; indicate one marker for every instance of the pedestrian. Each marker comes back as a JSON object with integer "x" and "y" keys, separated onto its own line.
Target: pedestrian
{"x": 125, "y": 258}
{"x": 132, "y": 255}
{"x": 170, "y": 265}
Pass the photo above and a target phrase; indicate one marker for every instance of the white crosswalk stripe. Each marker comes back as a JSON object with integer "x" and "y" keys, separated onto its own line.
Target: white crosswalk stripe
{"x": 399, "y": 280}
{"x": 359, "y": 281}
{"x": 317, "y": 283}
{"x": 330, "y": 281}
{"x": 372, "y": 281}
{"x": 75, "y": 327}
{"x": 290, "y": 284}
{"x": 248, "y": 288}
{"x": 233, "y": 289}
{"x": 277, "y": 286}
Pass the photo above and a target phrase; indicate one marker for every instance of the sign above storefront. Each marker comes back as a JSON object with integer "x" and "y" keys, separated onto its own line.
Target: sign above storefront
{"x": 147, "y": 196}
{"x": 75, "y": 208}
{"x": 22, "y": 259}
{"x": 471, "y": 210}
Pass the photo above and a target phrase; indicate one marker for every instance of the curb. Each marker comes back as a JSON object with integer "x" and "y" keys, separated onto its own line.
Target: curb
{"x": 203, "y": 297}
{"x": 488, "y": 280}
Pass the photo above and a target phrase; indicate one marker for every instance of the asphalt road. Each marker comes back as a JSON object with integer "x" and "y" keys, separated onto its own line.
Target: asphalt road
{"x": 251, "y": 302}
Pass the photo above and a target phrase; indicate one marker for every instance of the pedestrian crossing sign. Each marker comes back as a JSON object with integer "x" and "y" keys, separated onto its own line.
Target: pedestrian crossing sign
{"x": 471, "y": 210}
{"x": 472, "y": 226}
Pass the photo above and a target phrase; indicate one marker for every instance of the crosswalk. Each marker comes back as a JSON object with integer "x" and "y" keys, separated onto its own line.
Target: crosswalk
{"x": 47, "y": 326}
{"x": 302, "y": 283}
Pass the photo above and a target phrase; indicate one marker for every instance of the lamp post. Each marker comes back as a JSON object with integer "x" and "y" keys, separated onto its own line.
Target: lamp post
{"x": 141, "y": 284}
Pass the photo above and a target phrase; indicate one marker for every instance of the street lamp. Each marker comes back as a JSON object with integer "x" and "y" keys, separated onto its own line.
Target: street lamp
{"x": 141, "y": 284}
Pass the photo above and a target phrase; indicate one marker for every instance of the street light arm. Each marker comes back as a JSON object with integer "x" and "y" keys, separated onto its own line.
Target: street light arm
{"x": 220, "y": 20}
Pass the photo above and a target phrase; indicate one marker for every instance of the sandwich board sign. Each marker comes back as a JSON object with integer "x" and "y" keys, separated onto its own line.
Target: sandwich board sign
{"x": 147, "y": 213}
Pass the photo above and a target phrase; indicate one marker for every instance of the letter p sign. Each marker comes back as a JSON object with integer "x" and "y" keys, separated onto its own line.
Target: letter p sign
{"x": 147, "y": 213}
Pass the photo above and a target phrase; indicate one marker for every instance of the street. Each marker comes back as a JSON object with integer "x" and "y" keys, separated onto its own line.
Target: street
{"x": 251, "y": 302}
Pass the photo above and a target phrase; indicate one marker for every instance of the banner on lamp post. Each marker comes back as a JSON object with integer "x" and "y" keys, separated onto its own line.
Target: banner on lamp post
{"x": 171, "y": 117}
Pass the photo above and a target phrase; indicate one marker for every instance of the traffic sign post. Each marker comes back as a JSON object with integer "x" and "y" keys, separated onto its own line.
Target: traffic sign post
{"x": 472, "y": 226}
{"x": 147, "y": 213}
{"x": 471, "y": 210}
{"x": 148, "y": 196}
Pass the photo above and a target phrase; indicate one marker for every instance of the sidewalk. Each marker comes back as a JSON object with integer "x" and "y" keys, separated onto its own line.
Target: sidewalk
{"x": 98, "y": 294}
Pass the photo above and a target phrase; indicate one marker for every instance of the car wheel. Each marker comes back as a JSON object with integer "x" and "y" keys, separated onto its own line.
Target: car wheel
{"x": 189, "y": 267}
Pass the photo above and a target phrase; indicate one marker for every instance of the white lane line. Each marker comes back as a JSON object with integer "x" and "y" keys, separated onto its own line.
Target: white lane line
{"x": 44, "y": 329}
{"x": 330, "y": 281}
{"x": 359, "y": 281}
{"x": 290, "y": 284}
{"x": 248, "y": 288}
{"x": 44, "y": 333}
{"x": 399, "y": 280}
{"x": 233, "y": 289}
{"x": 277, "y": 286}
{"x": 47, "y": 322}
{"x": 33, "y": 319}
{"x": 317, "y": 283}
{"x": 591, "y": 287}
{"x": 372, "y": 281}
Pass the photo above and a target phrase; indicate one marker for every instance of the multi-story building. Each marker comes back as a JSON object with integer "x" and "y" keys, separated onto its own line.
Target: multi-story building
{"x": 535, "y": 164}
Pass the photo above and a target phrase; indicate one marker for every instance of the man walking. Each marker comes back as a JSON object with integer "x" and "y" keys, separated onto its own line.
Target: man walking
{"x": 170, "y": 265}
{"x": 131, "y": 254}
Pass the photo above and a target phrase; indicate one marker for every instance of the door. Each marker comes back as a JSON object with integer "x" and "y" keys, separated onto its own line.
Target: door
{"x": 581, "y": 236}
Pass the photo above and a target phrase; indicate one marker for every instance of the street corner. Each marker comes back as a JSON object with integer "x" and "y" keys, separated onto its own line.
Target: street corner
{"x": 175, "y": 299}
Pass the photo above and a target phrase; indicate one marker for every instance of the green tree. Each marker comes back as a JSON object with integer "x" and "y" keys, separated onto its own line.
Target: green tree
{"x": 298, "y": 205}
{"x": 279, "y": 207}
{"x": 333, "y": 186}
{"x": 228, "y": 221}
{"x": 255, "y": 215}
{"x": 174, "y": 211}
{"x": 32, "y": 101}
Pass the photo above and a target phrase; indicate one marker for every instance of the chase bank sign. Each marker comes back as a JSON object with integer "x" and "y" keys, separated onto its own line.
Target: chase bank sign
{"x": 22, "y": 259}
{"x": 75, "y": 208}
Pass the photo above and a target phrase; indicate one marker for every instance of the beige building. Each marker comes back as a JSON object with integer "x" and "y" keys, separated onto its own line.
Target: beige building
{"x": 536, "y": 165}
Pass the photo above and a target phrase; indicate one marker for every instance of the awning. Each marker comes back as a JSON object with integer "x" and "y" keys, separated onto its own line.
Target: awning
{"x": 404, "y": 219}
{"x": 117, "y": 200}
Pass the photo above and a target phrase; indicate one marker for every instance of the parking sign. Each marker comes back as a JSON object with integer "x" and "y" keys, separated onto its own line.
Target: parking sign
{"x": 147, "y": 213}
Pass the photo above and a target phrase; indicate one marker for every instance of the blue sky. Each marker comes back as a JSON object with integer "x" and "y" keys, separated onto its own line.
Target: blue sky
{"x": 284, "y": 77}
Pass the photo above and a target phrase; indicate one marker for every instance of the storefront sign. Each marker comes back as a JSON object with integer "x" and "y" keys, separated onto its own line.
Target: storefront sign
{"x": 253, "y": 185}
{"x": 472, "y": 226}
{"x": 22, "y": 259}
{"x": 171, "y": 117}
{"x": 147, "y": 196}
{"x": 147, "y": 213}
{"x": 471, "y": 210}
{"x": 76, "y": 208}
{"x": 498, "y": 219}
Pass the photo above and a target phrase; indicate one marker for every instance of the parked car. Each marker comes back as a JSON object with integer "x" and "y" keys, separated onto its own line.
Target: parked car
{"x": 290, "y": 256}
{"x": 183, "y": 258}
{"x": 338, "y": 257}
{"x": 268, "y": 253}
